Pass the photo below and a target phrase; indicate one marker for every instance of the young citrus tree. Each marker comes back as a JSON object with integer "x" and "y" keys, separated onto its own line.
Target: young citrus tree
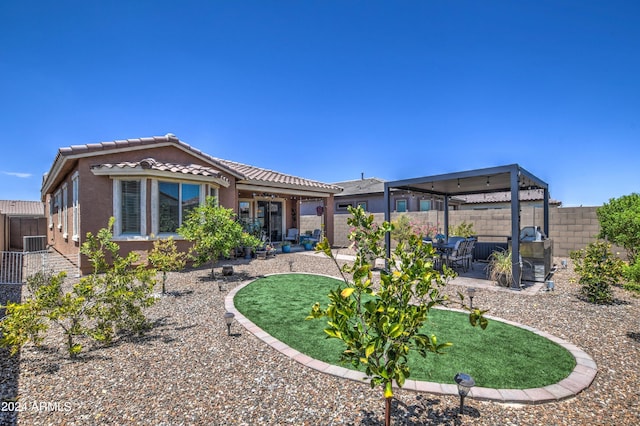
{"x": 214, "y": 231}
{"x": 165, "y": 257}
{"x": 379, "y": 327}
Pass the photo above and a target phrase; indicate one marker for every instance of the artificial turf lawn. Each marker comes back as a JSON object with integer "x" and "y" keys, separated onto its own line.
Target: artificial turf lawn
{"x": 501, "y": 356}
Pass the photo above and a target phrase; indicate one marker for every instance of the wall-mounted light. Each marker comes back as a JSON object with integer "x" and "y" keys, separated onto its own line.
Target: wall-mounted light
{"x": 458, "y": 183}
{"x": 488, "y": 182}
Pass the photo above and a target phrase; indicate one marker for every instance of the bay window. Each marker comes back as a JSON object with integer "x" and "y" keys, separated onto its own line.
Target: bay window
{"x": 175, "y": 201}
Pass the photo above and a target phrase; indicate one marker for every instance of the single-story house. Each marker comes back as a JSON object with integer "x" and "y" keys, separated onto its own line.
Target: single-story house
{"x": 149, "y": 185}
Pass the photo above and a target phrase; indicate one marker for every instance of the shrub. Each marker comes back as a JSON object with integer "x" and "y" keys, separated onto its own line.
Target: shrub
{"x": 632, "y": 277}
{"x": 108, "y": 301}
{"x": 165, "y": 257}
{"x": 462, "y": 230}
{"x": 598, "y": 269}
{"x": 620, "y": 223}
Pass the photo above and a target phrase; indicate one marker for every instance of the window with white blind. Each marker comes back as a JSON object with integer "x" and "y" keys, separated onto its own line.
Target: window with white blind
{"x": 58, "y": 206}
{"x": 76, "y": 208}
{"x": 130, "y": 214}
{"x": 65, "y": 212}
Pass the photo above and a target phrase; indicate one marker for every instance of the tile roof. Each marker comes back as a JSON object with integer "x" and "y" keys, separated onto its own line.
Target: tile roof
{"x": 22, "y": 208}
{"x": 152, "y": 164}
{"x": 252, "y": 173}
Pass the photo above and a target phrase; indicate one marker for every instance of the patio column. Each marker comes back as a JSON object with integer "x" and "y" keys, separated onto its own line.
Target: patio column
{"x": 515, "y": 230}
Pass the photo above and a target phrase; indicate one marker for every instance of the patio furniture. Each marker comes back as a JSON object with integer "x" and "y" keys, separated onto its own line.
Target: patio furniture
{"x": 468, "y": 255}
{"x": 315, "y": 237}
{"x": 292, "y": 235}
{"x": 456, "y": 257}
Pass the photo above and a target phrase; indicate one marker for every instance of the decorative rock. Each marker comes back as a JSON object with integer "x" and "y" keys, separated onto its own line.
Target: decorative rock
{"x": 227, "y": 270}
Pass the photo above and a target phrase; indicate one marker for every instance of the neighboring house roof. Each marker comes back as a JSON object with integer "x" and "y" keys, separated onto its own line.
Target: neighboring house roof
{"x": 505, "y": 197}
{"x": 22, "y": 208}
{"x": 361, "y": 187}
{"x": 249, "y": 175}
{"x": 256, "y": 175}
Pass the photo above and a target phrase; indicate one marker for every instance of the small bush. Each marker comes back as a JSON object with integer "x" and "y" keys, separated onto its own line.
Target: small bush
{"x": 598, "y": 269}
{"x": 632, "y": 277}
{"x": 462, "y": 230}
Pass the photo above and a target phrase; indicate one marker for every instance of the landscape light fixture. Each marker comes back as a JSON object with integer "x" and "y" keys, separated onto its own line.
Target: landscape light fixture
{"x": 550, "y": 285}
{"x": 228, "y": 319}
{"x": 465, "y": 382}
{"x": 471, "y": 291}
{"x": 563, "y": 262}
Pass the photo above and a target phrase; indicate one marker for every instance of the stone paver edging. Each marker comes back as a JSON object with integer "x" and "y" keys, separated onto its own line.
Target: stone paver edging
{"x": 580, "y": 378}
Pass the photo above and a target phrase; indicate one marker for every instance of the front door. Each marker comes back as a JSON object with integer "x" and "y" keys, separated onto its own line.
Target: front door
{"x": 270, "y": 215}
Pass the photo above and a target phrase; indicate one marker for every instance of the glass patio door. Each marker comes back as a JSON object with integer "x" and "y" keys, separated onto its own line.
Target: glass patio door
{"x": 270, "y": 216}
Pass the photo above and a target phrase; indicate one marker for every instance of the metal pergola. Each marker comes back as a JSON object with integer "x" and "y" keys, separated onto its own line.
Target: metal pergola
{"x": 511, "y": 177}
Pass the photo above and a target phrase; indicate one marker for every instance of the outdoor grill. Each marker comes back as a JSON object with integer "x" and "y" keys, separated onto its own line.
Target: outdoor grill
{"x": 536, "y": 251}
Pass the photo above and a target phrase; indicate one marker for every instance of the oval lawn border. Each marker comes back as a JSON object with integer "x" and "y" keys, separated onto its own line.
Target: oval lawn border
{"x": 580, "y": 378}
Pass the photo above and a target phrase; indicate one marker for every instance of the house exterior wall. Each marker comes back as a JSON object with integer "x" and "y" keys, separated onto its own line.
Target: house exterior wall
{"x": 96, "y": 202}
{"x": 570, "y": 228}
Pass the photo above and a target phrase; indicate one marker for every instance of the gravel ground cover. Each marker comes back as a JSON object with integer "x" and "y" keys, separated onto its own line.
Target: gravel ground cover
{"x": 187, "y": 371}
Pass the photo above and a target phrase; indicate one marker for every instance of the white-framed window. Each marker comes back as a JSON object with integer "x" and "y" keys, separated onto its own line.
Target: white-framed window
{"x": 65, "y": 211}
{"x": 175, "y": 201}
{"x": 425, "y": 205}
{"x": 58, "y": 207}
{"x": 245, "y": 210}
{"x": 401, "y": 205}
{"x": 76, "y": 207}
{"x": 129, "y": 207}
{"x": 51, "y": 210}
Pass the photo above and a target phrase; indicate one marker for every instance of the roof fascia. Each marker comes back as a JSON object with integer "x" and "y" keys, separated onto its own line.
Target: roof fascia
{"x": 62, "y": 159}
{"x": 282, "y": 190}
{"x": 140, "y": 172}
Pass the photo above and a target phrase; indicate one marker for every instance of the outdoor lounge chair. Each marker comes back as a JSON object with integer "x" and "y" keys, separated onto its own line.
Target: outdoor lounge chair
{"x": 315, "y": 237}
{"x": 292, "y": 235}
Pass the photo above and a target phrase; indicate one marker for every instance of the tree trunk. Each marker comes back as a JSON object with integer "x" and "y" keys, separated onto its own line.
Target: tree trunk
{"x": 387, "y": 411}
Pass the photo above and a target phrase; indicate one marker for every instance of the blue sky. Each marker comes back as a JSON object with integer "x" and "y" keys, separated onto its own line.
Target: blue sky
{"x": 328, "y": 90}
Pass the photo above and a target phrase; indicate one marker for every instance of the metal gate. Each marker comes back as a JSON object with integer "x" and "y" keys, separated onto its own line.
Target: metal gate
{"x": 16, "y": 267}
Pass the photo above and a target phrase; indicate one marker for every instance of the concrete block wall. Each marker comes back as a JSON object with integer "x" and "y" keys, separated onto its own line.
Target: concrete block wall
{"x": 310, "y": 222}
{"x": 571, "y": 228}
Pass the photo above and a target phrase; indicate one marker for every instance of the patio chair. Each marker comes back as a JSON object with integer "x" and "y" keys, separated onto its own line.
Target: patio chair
{"x": 292, "y": 235}
{"x": 456, "y": 258}
{"x": 468, "y": 255}
{"x": 315, "y": 237}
